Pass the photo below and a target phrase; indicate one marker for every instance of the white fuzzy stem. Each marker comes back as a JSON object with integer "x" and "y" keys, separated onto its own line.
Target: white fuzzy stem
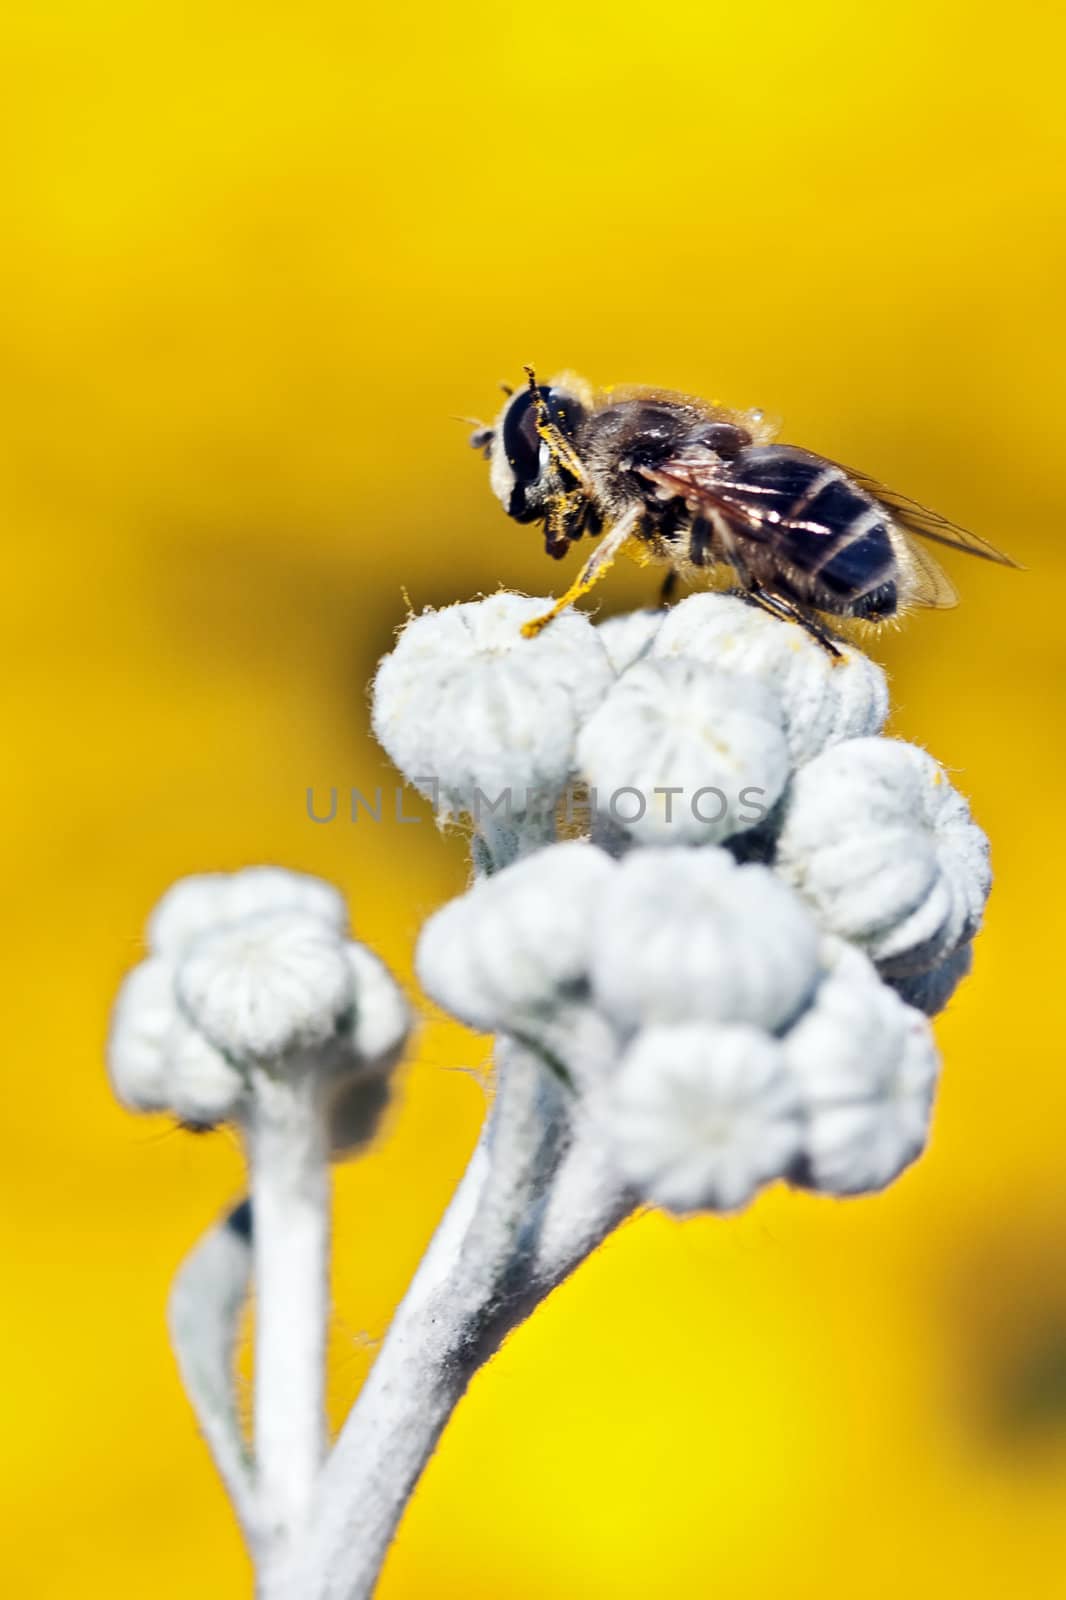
{"x": 288, "y": 1158}
{"x": 206, "y": 1300}
{"x": 483, "y": 1274}
{"x": 586, "y": 1202}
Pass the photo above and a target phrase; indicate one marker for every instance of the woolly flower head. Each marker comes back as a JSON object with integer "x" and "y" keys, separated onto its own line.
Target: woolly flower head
{"x": 868, "y": 1068}
{"x": 690, "y": 934}
{"x": 518, "y": 943}
{"x": 478, "y": 717}
{"x": 251, "y": 972}
{"x": 884, "y": 848}
{"x": 702, "y": 1115}
{"x": 720, "y": 737}
{"x": 271, "y": 985}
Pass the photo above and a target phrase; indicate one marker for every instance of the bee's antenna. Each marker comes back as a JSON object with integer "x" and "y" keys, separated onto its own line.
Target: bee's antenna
{"x": 481, "y": 438}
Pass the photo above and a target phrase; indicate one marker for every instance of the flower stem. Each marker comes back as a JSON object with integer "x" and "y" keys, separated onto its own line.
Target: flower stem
{"x": 288, "y": 1159}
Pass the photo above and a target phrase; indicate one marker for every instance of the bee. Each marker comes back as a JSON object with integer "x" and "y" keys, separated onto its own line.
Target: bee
{"x": 679, "y": 481}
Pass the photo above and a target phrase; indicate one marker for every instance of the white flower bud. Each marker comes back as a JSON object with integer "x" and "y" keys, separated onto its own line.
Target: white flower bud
{"x": 687, "y": 934}
{"x": 267, "y": 987}
{"x": 628, "y": 638}
{"x": 143, "y": 1016}
{"x": 157, "y": 1062}
{"x": 823, "y": 700}
{"x": 879, "y": 842}
{"x": 257, "y": 973}
{"x": 515, "y": 942}
{"x": 203, "y": 1087}
{"x": 699, "y": 1117}
{"x": 867, "y": 1067}
{"x": 382, "y": 1021}
{"x": 208, "y": 899}
{"x": 360, "y": 1089}
{"x": 696, "y": 755}
{"x": 476, "y": 715}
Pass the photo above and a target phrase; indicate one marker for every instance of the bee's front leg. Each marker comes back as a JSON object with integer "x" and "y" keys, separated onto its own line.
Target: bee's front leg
{"x": 597, "y": 565}
{"x": 565, "y": 521}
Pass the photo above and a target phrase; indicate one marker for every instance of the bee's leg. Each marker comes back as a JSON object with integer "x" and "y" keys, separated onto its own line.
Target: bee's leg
{"x": 784, "y": 609}
{"x": 669, "y": 587}
{"x": 776, "y": 605}
{"x": 565, "y": 520}
{"x": 818, "y": 631}
{"x": 822, "y": 634}
{"x": 597, "y": 565}
{"x": 702, "y": 539}
{"x": 700, "y": 542}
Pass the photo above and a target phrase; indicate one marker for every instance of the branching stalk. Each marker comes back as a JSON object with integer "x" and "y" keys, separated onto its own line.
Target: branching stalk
{"x": 484, "y": 1273}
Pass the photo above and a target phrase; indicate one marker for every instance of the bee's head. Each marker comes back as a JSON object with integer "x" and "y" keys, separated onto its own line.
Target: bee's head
{"x": 523, "y": 470}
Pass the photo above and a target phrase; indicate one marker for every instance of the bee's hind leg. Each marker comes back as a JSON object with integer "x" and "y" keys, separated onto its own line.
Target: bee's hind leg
{"x": 786, "y": 611}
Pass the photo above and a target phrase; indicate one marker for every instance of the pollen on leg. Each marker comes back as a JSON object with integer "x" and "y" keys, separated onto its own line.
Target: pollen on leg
{"x": 620, "y": 538}
{"x": 580, "y": 587}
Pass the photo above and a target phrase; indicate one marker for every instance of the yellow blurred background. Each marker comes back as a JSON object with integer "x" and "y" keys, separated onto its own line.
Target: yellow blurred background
{"x": 253, "y": 259}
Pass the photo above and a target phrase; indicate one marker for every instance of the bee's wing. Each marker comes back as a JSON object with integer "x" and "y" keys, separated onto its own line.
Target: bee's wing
{"x": 929, "y": 583}
{"x": 915, "y": 518}
{"x": 742, "y": 496}
{"x": 761, "y": 496}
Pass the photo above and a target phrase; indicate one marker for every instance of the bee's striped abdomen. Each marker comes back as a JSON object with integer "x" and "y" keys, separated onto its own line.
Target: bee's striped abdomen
{"x": 828, "y": 530}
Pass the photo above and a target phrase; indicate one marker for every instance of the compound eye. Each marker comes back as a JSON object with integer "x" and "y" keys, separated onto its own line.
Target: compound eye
{"x": 522, "y": 445}
{"x": 725, "y": 439}
{"x": 526, "y": 452}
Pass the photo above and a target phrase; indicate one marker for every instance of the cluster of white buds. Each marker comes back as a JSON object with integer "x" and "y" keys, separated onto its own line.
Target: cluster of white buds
{"x": 251, "y": 975}
{"x": 732, "y": 971}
